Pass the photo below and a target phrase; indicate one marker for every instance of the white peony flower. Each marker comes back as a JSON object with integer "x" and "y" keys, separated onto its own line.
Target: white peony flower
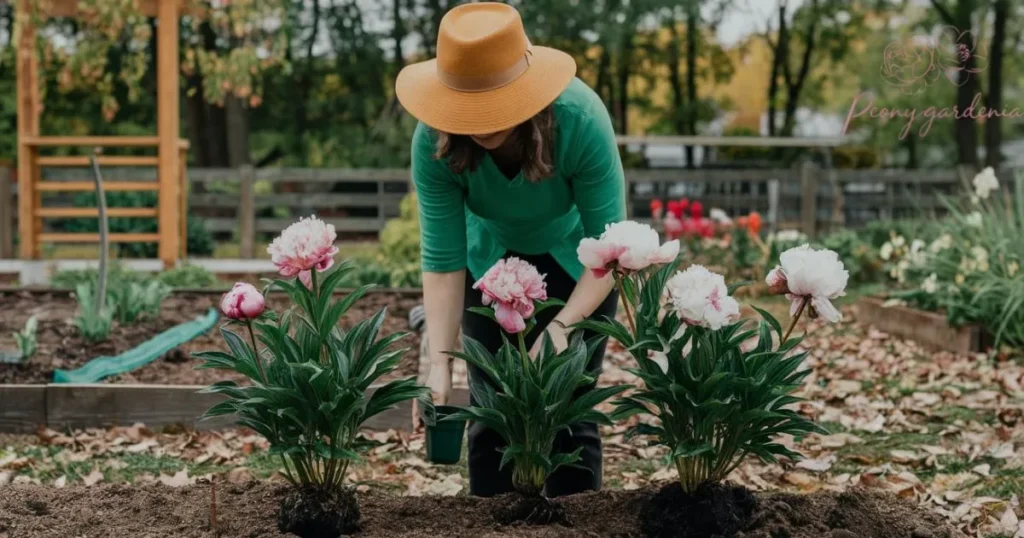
{"x": 974, "y": 219}
{"x": 719, "y": 216}
{"x": 931, "y": 284}
{"x": 625, "y": 245}
{"x": 942, "y": 243}
{"x": 701, "y": 297}
{"x": 985, "y": 182}
{"x": 811, "y": 275}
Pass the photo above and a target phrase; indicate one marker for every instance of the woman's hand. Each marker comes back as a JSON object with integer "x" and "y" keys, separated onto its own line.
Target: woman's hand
{"x": 439, "y": 381}
{"x": 559, "y": 337}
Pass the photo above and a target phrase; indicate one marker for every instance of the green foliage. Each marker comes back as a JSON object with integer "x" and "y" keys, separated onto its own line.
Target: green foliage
{"x": 310, "y": 382}
{"x": 26, "y": 338}
{"x": 199, "y": 240}
{"x": 188, "y": 276}
{"x": 531, "y": 401}
{"x": 974, "y": 276}
{"x": 132, "y": 301}
{"x": 714, "y": 404}
{"x": 93, "y": 323}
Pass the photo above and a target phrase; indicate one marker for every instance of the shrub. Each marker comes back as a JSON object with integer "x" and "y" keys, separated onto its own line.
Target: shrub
{"x": 188, "y": 276}
{"x": 532, "y": 400}
{"x": 310, "y": 389}
{"x": 133, "y": 301}
{"x": 706, "y": 398}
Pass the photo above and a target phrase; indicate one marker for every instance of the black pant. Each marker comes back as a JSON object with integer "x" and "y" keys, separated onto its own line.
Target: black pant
{"x": 485, "y": 478}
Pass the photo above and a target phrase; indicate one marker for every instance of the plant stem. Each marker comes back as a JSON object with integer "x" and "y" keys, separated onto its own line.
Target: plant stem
{"x": 523, "y": 355}
{"x": 796, "y": 318}
{"x": 256, "y": 350}
{"x": 625, "y": 304}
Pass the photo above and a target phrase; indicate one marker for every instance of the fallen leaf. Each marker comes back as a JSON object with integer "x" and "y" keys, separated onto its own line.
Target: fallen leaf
{"x": 179, "y": 479}
{"x": 93, "y": 478}
{"x": 818, "y": 465}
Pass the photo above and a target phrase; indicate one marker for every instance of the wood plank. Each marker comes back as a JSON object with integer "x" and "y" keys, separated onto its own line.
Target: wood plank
{"x": 246, "y": 204}
{"x": 279, "y": 199}
{"x": 69, "y": 8}
{"x": 930, "y": 329}
{"x": 8, "y": 209}
{"x": 75, "y": 212}
{"x": 95, "y": 238}
{"x": 354, "y": 224}
{"x": 86, "y": 186}
{"x": 96, "y": 405}
{"x": 104, "y": 160}
{"x": 334, "y": 175}
{"x": 22, "y": 408}
{"x": 168, "y": 127}
{"x": 92, "y": 141}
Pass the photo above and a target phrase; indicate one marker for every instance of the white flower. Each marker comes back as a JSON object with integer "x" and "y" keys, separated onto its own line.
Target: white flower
{"x": 1012, "y": 268}
{"x": 931, "y": 284}
{"x": 898, "y": 241}
{"x": 628, "y": 245}
{"x": 814, "y": 275}
{"x": 985, "y": 182}
{"x": 719, "y": 216}
{"x": 701, "y": 297}
{"x": 917, "y": 255}
{"x": 886, "y": 251}
{"x": 942, "y": 243}
{"x": 787, "y": 236}
{"x": 900, "y": 271}
{"x": 974, "y": 219}
{"x": 979, "y": 254}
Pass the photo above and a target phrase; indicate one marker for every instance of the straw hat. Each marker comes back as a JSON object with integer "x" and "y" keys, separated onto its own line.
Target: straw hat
{"x": 487, "y": 76}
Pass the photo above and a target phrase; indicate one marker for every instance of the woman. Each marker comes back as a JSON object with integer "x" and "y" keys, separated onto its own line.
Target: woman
{"x": 513, "y": 156}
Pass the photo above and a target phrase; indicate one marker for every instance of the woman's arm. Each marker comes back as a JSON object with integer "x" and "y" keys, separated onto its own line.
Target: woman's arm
{"x": 440, "y": 200}
{"x": 599, "y": 192}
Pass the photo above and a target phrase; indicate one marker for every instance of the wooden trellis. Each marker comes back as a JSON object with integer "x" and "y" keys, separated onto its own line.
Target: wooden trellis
{"x": 169, "y": 160}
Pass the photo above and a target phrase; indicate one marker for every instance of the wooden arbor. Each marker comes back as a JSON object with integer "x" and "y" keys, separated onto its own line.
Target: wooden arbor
{"x": 169, "y": 160}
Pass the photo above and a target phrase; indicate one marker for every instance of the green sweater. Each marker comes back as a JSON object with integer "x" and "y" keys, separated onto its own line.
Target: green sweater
{"x": 470, "y": 220}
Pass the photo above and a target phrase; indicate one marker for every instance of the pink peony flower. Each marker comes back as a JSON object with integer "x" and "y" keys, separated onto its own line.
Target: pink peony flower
{"x": 626, "y": 245}
{"x": 303, "y": 246}
{"x": 243, "y": 302}
{"x": 701, "y": 297}
{"x": 511, "y": 286}
{"x": 805, "y": 274}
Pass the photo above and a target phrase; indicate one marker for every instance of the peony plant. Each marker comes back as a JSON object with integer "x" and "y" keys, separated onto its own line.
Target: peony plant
{"x": 716, "y": 390}
{"x": 528, "y": 401}
{"x": 310, "y": 381}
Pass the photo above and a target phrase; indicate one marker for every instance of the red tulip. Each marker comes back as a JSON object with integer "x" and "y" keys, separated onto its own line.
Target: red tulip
{"x": 697, "y": 210}
{"x": 676, "y": 209}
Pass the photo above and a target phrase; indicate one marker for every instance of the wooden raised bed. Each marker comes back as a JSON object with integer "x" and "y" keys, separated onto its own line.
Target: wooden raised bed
{"x": 930, "y": 329}
{"x": 23, "y": 408}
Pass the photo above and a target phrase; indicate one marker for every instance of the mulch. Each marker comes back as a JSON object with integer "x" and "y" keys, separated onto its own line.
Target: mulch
{"x": 61, "y": 347}
{"x": 250, "y": 510}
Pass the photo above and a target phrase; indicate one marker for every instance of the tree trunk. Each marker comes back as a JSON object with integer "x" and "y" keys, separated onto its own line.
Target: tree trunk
{"x": 780, "y": 54}
{"x": 795, "y": 86}
{"x": 692, "y": 23}
{"x": 965, "y": 127}
{"x": 674, "y": 77}
{"x": 398, "y": 34}
{"x": 625, "y": 70}
{"x": 993, "y": 124}
{"x": 237, "y": 132}
{"x": 604, "y": 82}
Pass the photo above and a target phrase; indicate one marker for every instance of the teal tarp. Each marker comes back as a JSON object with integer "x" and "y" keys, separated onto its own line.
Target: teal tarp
{"x": 137, "y": 357}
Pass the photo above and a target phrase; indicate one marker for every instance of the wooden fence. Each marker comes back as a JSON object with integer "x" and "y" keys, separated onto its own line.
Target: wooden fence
{"x": 251, "y": 205}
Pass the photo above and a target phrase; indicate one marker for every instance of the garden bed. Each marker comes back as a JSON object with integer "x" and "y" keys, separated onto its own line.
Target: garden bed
{"x": 250, "y": 510}
{"x": 61, "y": 347}
{"x": 930, "y": 329}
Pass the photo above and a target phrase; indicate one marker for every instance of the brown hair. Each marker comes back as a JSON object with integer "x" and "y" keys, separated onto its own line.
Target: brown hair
{"x": 535, "y": 139}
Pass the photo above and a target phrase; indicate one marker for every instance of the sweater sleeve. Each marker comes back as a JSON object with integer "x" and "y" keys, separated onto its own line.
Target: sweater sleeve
{"x": 441, "y": 203}
{"x": 599, "y": 183}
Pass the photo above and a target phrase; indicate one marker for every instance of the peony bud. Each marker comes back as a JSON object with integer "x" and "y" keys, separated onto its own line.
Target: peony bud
{"x": 243, "y": 302}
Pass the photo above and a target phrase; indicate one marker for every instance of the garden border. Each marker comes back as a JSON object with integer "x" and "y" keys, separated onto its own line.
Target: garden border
{"x": 930, "y": 329}
{"x": 59, "y": 406}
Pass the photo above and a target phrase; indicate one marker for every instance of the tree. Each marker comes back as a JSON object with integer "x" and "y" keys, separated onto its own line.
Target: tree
{"x": 965, "y": 127}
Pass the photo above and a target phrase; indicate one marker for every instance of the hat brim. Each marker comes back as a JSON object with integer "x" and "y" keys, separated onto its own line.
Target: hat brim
{"x": 474, "y": 113}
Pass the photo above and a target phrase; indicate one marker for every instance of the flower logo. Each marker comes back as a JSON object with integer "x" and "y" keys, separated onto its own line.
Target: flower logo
{"x": 912, "y": 64}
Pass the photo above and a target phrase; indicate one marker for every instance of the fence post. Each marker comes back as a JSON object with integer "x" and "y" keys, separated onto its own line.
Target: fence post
{"x": 7, "y": 209}
{"x": 246, "y": 211}
{"x": 381, "y": 216}
{"x": 629, "y": 196}
{"x": 808, "y": 198}
{"x": 774, "y": 189}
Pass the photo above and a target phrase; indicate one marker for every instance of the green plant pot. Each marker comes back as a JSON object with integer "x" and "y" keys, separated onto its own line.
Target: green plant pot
{"x": 444, "y": 437}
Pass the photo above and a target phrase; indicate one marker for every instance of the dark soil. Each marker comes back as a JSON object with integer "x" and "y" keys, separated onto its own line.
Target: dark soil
{"x": 319, "y": 515}
{"x": 250, "y": 511}
{"x": 529, "y": 510}
{"x": 61, "y": 347}
{"x": 713, "y": 510}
